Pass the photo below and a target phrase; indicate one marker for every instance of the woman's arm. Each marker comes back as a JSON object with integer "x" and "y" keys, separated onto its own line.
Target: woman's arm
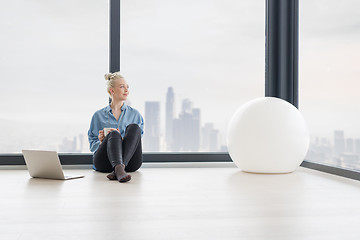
{"x": 141, "y": 125}
{"x": 93, "y": 136}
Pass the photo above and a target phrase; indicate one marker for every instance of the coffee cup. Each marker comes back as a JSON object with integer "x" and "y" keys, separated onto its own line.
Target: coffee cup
{"x": 107, "y": 130}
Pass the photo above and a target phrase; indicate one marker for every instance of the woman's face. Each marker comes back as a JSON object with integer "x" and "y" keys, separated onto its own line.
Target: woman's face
{"x": 121, "y": 90}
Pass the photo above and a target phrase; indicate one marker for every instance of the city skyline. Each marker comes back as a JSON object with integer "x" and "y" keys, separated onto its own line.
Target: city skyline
{"x": 183, "y": 132}
{"x": 341, "y": 151}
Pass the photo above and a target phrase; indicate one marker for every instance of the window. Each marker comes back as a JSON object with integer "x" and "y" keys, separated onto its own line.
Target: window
{"x": 53, "y": 58}
{"x": 329, "y": 76}
{"x": 190, "y": 65}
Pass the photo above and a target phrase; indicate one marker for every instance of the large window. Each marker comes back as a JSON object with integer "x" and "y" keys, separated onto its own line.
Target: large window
{"x": 53, "y": 58}
{"x": 190, "y": 65}
{"x": 329, "y": 77}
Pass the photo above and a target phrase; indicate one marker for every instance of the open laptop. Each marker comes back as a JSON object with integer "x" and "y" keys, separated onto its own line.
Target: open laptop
{"x": 45, "y": 164}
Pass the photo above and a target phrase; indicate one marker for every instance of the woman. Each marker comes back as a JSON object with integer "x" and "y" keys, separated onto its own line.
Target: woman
{"x": 120, "y": 150}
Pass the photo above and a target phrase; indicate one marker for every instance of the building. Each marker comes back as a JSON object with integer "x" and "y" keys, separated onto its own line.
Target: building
{"x": 186, "y": 133}
{"x": 349, "y": 145}
{"x": 357, "y": 146}
{"x": 209, "y": 138}
{"x": 339, "y": 142}
{"x": 169, "y": 121}
{"x": 152, "y": 127}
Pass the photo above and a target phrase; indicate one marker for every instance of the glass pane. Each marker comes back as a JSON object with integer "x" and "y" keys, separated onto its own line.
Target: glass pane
{"x": 330, "y": 53}
{"x": 190, "y": 65}
{"x": 53, "y": 58}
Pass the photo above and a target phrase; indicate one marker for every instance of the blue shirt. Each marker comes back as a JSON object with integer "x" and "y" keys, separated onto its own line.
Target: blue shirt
{"x": 104, "y": 118}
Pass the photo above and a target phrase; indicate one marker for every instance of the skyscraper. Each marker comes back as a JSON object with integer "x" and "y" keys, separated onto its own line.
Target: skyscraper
{"x": 196, "y": 129}
{"x": 210, "y": 138}
{"x": 169, "y": 115}
{"x": 357, "y": 146}
{"x": 183, "y": 133}
{"x": 339, "y": 142}
{"x": 186, "y": 106}
{"x": 349, "y": 145}
{"x": 187, "y": 128}
{"x": 152, "y": 126}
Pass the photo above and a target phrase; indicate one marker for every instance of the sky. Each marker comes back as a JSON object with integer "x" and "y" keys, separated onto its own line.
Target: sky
{"x": 54, "y": 55}
{"x": 329, "y": 72}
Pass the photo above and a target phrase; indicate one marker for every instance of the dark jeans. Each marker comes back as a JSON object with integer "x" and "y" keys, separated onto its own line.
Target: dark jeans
{"x": 113, "y": 150}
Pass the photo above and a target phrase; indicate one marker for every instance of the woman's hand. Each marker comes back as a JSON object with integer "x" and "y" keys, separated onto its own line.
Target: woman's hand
{"x": 101, "y": 135}
{"x": 113, "y": 129}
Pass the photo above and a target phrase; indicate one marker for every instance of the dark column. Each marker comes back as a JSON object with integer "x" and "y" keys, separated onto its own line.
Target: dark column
{"x": 114, "y": 64}
{"x": 282, "y": 50}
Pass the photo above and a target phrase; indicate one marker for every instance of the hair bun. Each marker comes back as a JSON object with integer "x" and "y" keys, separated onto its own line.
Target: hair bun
{"x": 108, "y": 76}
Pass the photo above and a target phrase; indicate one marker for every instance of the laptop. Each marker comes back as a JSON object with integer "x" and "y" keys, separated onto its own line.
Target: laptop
{"x": 45, "y": 164}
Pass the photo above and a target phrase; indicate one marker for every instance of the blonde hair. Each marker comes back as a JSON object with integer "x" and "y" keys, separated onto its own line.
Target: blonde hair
{"x": 110, "y": 78}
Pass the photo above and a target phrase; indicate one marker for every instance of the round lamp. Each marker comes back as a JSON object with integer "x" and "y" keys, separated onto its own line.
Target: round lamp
{"x": 267, "y": 135}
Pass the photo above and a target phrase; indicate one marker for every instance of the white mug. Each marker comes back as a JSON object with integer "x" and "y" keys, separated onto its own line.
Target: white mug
{"x": 107, "y": 130}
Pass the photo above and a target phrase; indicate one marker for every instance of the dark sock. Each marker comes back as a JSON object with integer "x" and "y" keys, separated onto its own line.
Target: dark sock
{"x": 112, "y": 176}
{"x": 120, "y": 173}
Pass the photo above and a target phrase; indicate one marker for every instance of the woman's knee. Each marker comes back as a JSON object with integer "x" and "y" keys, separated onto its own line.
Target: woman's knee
{"x": 115, "y": 134}
{"x": 133, "y": 167}
{"x": 101, "y": 162}
{"x": 134, "y": 128}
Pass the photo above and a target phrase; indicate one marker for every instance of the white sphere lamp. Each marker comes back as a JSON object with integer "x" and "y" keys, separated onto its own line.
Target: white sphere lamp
{"x": 267, "y": 135}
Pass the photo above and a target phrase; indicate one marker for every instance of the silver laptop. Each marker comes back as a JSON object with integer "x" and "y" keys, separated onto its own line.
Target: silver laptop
{"x": 45, "y": 164}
